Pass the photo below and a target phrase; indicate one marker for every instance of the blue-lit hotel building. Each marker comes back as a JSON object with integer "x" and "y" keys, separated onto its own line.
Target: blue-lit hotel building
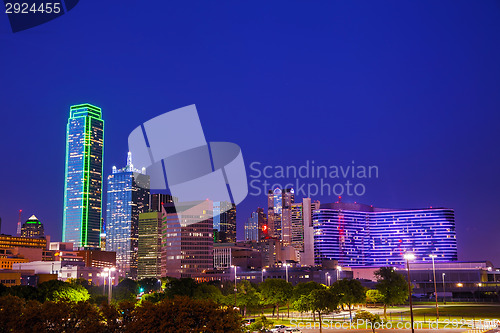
{"x": 127, "y": 197}
{"x": 83, "y": 176}
{"x": 361, "y": 235}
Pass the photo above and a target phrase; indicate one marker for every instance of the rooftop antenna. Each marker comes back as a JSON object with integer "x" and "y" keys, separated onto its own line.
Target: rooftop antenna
{"x": 19, "y": 223}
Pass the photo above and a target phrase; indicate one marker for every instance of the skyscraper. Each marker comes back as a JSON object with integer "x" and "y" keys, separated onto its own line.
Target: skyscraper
{"x": 32, "y": 228}
{"x": 127, "y": 197}
{"x": 279, "y": 213}
{"x": 83, "y": 176}
{"x": 252, "y": 227}
{"x": 224, "y": 217}
{"x": 187, "y": 244}
{"x": 149, "y": 245}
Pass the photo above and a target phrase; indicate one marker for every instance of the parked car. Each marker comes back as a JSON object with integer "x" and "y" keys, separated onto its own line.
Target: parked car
{"x": 278, "y": 329}
{"x": 293, "y": 330}
{"x": 249, "y": 321}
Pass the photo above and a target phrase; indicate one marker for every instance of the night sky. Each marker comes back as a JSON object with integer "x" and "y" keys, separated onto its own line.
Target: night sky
{"x": 411, "y": 87}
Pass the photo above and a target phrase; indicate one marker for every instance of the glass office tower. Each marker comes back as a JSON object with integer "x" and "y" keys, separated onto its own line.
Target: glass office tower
{"x": 83, "y": 176}
{"x": 127, "y": 197}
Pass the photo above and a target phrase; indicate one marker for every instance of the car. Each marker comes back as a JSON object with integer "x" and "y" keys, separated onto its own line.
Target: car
{"x": 249, "y": 321}
{"x": 278, "y": 329}
{"x": 293, "y": 330}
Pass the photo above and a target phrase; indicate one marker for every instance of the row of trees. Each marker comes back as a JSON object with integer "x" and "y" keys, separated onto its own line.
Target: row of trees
{"x": 249, "y": 298}
{"x": 180, "y": 314}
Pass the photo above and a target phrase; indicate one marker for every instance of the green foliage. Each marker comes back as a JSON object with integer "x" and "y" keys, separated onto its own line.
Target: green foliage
{"x": 183, "y": 315}
{"x": 303, "y": 304}
{"x": 148, "y": 285}
{"x": 304, "y": 288}
{"x": 208, "y": 291}
{"x": 392, "y": 286}
{"x": 25, "y": 292}
{"x": 126, "y": 290}
{"x": 369, "y": 318}
{"x": 55, "y": 290}
{"x": 323, "y": 301}
{"x": 180, "y": 287}
{"x": 349, "y": 292}
{"x": 261, "y": 324}
{"x": 247, "y": 296}
{"x": 374, "y": 296}
{"x": 275, "y": 292}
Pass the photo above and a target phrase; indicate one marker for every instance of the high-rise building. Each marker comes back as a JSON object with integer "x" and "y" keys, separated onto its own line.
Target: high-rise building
{"x": 224, "y": 217}
{"x": 307, "y": 254}
{"x": 32, "y": 228}
{"x": 127, "y": 197}
{"x": 262, "y": 224}
{"x": 279, "y": 215}
{"x": 149, "y": 245}
{"x": 187, "y": 244}
{"x": 361, "y": 235}
{"x": 252, "y": 227}
{"x": 157, "y": 200}
{"x": 83, "y": 176}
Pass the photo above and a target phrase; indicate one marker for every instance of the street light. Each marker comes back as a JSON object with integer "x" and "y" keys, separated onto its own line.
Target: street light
{"x": 435, "y": 286}
{"x": 263, "y": 270}
{"x": 408, "y": 257}
{"x": 108, "y": 271}
{"x": 339, "y": 269}
{"x": 444, "y": 293}
{"x": 235, "y": 289}
{"x": 329, "y": 283}
{"x": 286, "y": 269}
{"x": 326, "y": 277}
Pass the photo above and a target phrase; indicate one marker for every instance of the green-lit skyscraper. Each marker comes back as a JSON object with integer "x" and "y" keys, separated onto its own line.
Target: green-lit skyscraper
{"x": 83, "y": 176}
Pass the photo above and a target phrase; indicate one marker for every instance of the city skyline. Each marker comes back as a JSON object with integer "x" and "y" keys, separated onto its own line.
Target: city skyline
{"x": 410, "y": 90}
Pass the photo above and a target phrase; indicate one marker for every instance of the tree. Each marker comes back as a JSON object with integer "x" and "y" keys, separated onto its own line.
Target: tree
{"x": 148, "y": 285}
{"x": 180, "y": 287}
{"x": 275, "y": 292}
{"x": 55, "y": 290}
{"x": 10, "y": 308}
{"x": 183, "y": 315}
{"x": 247, "y": 296}
{"x": 392, "y": 286}
{"x": 349, "y": 292}
{"x": 208, "y": 291}
{"x": 323, "y": 301}
{"x": 126, "y": 290}
{"x": 373, "y": 296}
{"x": 369, "y": 318}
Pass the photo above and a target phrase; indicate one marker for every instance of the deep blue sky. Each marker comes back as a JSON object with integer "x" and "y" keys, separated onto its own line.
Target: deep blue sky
{"x": 413, "y": 87}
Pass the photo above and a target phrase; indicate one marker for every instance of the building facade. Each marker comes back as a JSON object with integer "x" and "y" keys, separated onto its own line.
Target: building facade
{"x": 32, "y": 228}
{"x": 361, "y": 235}
{"x": 279, "y": 216}
{"x": 149, "y": 245}
{"x": 187, "y": 245}
{"x": 252, "y": 227}
{"x": 127, "y": 197}
{"x": 224, "y": 217}
{"x": 83, "y": 176}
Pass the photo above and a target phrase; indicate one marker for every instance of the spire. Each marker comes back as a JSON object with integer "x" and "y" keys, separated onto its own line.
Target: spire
{"x": 130, "y": 166}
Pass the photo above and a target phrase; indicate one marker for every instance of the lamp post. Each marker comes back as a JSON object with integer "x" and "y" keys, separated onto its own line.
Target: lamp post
{"x": 408, "y": 257}
{"x": 326, "y": 277}
{"x": 339, "y": 269}
{"x": 110, "y": 290}
{"x": 286, "y": 270}
{"x": 329, "y": 283}
{"x": 263, "y": 270}
{"x": 444, "y": 293}
{"x": 235, "y": 289}
{"x": 435, "y": 285}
